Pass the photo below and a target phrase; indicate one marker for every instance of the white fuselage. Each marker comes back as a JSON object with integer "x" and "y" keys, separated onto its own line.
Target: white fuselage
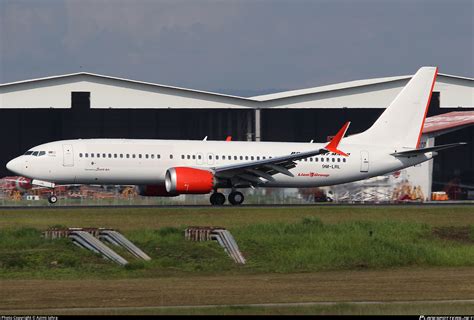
{"x": 145, "y": 162}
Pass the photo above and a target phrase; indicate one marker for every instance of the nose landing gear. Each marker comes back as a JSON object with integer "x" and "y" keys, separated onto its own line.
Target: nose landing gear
{"x": 52, "y": 199}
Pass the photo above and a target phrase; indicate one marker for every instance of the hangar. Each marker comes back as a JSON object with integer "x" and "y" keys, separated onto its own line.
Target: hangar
{"x": 87, "y": 105}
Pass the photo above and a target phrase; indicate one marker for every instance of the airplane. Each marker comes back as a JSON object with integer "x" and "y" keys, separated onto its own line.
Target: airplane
{"x": 174, "y": 167}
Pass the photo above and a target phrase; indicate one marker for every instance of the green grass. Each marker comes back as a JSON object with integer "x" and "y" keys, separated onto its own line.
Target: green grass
{"x": 305, "y": 245}
{"x": 230, "y": 217}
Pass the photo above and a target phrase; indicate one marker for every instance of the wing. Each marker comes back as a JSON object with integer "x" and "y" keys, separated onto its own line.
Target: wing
{"x": 260, "y": 172}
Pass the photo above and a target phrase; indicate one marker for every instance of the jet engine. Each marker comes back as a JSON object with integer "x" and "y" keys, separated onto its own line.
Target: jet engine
{"x": 189, "y": 180}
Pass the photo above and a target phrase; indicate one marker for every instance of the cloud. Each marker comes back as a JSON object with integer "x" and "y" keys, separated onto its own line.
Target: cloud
{"x": 236, "y": 44}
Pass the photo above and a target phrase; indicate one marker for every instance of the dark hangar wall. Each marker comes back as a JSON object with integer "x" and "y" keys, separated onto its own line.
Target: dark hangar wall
{"x": 22, "y": 129}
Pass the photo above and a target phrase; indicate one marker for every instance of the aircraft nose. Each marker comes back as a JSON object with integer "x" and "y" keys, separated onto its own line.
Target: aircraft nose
{"x": 14, "y": 166}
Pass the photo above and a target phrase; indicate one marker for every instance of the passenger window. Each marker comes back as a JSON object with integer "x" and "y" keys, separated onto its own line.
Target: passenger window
{"x": 333, "y": 160}
{"x": 86, "y": 155}
{"x": 264, "y": 157}
{"x": 104, "y": 155}
{"x": 306, "y": 159}
{"x": 140, "y": 156}
{"x": 338, "y": 159}
{"x": 327, "y": 159}
{"x": 316, "y": 159}
{"x": 80, "y": 155}
{"x": 223, "y": 157}
{"x": 182, "y": 156}
{"x": 110, "y": 155}
{"x": 246, "y": 157}
{"x": 322, "y": 159}
{"x": 194, "y": 157}
{"x": 241, "y": 158}
{"x": 210, "y": 157}
{"x": 157, "y": 156}
{"x": 133, "y": 156}
{"x": 92, "y": 155}
{"x": 251, "y": 158}
{"x": 199, "y": 157}
{"x": 153, "y": 156}
{"x": 98, "y": 155}
{"x": 258, "y": 157}
{"x": 171, "y": 156}
{"x": 115, "y": 155}
{"x": 121, "y": 155}
{"x": 311, "y": 159}
{"x": 188, "y": 157}
{"x": 146, "y": 156}
{"x": 235, "y": 157}
{"x": 344, "y": 160}
{"x": 217, "y": 157}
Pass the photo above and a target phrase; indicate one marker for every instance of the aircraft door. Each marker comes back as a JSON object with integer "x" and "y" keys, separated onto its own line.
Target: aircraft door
{"x": 200, "y": 158}
{"x": 364, "y": 161}
{"x": 68, "y": 155}
{"x": 210, "y": 158}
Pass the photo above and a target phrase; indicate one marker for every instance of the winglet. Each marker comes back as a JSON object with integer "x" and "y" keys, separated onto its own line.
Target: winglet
{"x": 229, "y": 138}
{"x": 332, "y": 146}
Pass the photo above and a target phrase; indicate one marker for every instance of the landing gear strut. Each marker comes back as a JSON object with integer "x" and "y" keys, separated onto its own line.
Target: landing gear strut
{"x": 52, "y": 199}
{"x": 217, "y": 199}
{"x": 236, "y": 198}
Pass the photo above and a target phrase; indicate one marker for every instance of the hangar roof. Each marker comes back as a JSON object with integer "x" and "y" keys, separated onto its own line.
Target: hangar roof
{"x": 119, "y": 93}
{"x": 69, "y": 75}
{"x": 345, "y": 85}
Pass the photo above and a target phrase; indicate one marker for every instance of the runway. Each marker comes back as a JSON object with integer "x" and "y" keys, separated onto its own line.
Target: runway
{"x": 191, "y": 206}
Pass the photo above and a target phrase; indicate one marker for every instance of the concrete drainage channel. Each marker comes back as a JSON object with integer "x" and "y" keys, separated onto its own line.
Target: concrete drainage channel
{"x": 90, "y": 238}
{"x": 221, "y": 235}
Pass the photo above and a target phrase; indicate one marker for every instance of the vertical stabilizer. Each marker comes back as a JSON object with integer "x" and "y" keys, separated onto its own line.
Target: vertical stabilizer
{"x": 401, "y": 124}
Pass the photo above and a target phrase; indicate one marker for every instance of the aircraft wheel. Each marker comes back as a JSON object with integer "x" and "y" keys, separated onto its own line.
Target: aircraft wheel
{"x": 217, "y": 199}
{"x": 52, "y": 199}
{"x": 236, "y": 198}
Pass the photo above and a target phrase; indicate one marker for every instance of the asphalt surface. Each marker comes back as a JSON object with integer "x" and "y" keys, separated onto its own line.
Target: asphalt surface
{"x": 420, "y": 204}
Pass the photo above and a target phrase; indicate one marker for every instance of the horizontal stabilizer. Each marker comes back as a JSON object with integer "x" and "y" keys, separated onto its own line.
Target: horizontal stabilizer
{"x": 415, "y": 152}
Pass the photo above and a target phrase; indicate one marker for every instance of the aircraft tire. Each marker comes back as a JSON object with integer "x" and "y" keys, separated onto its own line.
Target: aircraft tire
{"x": 217, "y": 199}
{"x": 52, "y": 199}
{"x": 236, "y": 198}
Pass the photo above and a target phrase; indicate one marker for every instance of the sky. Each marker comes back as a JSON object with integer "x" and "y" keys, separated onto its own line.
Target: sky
{"x": 237, "y": 47}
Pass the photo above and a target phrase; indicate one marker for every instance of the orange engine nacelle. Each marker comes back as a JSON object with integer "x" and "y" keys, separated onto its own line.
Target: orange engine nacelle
{"x": 189, "y": 180}
{"x": 156, "y": 190}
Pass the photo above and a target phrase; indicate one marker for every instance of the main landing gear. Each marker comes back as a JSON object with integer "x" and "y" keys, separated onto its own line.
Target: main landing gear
{"x": 217, "y": 199}
{"x": 235, "y": 198}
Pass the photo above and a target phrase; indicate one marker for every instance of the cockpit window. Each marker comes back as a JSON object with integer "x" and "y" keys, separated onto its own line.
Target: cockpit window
{"x": 35, "y": 153}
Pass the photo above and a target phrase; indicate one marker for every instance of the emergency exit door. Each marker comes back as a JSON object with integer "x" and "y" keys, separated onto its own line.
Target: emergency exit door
{"x": 364, "y": 161}
{"x": 68, "y": 155}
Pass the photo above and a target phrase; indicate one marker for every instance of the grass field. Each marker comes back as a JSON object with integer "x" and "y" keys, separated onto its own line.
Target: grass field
{"x": 400, "y": 251}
